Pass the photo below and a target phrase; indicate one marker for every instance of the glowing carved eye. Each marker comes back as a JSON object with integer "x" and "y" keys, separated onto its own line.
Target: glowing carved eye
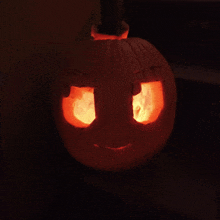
{"x": 84, "y": 108}
{"x": 148, "y": 104}
{"x": 79, "y": 107}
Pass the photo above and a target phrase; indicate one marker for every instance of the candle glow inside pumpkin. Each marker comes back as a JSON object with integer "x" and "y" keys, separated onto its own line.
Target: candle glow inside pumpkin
{"x": 79, "y": 106}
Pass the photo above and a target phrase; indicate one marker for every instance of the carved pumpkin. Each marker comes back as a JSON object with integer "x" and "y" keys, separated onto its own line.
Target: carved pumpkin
{"x": 115, "y": 102}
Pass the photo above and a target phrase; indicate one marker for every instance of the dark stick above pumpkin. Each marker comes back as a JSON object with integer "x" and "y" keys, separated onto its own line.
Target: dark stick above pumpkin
{"x": 111, "y": 17}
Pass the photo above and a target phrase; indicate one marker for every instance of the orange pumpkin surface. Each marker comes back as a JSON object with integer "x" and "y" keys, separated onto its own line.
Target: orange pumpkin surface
{"x": 115, "y": 102}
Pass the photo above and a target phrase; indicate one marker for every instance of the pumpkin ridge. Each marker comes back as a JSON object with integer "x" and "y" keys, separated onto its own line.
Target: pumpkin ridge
{"x": 141, "y": 67}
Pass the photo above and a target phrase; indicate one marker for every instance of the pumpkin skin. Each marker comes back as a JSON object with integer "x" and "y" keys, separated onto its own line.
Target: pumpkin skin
{"x": 113, "y": 70}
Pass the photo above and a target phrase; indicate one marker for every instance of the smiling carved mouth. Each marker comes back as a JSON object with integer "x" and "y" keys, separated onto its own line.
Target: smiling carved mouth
{"x": 115, "y": 149}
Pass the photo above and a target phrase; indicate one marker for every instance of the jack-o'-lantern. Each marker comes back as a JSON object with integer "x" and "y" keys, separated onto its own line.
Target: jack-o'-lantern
{"x": 115, "y": 102}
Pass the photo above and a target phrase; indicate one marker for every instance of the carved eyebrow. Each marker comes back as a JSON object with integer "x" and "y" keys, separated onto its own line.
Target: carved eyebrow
{"x": 154, "y": 67}
{"x": 75, "y": 72}
{"x": 144, "y": 69}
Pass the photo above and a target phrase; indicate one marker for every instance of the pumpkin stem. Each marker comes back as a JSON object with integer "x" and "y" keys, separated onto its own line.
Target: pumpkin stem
{"x": 111, "y": 17}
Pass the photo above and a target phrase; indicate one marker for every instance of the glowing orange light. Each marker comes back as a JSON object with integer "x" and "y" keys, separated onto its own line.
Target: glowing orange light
{"x": 148, "y": 104}
{"x": 79, "y": 106}
{"x": 98, "y": 36}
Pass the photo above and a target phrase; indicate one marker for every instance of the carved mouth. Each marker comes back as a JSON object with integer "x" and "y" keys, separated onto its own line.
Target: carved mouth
{"x": 114, "y": 148}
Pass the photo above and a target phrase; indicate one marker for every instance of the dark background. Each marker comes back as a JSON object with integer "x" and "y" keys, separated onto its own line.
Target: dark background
{"x": 42, "y": 181}
{"x": 184, "y": 31}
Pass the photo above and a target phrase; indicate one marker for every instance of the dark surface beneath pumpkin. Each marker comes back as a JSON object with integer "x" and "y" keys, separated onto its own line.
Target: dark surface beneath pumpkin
{"x": 185, "y": 173}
